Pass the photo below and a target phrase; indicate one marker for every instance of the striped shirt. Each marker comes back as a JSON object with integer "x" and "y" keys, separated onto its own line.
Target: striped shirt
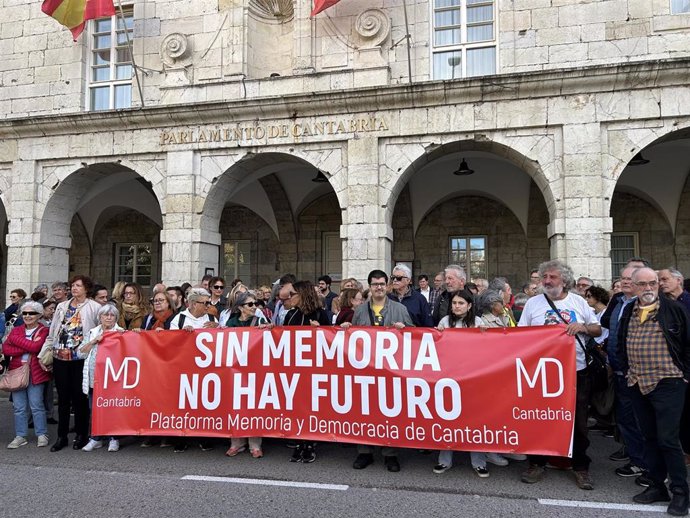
{"x": 648, "y": 356}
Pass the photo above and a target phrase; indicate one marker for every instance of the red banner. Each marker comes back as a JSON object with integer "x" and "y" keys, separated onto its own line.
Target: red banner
{"x": 465, "y": 389}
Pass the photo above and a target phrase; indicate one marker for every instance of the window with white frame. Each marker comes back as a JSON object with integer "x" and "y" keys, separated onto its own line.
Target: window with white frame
{"x": 624, "y": 245}
{"x": 463, "y": 38}
{"x": 133, "y": 263}
{"x": 680, "y": 6}
{"x": 110, "y": 67}
{"x": 470, "y": 253}
{"x": 237, "y": 260}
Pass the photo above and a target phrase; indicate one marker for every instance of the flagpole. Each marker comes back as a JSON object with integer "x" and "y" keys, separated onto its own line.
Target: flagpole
{"x": 407, "y": 37}
{"x": 131, "y": 50}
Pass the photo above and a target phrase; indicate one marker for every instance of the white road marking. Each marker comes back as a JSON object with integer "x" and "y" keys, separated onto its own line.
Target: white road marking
{"x": 262, "y": 482}
{"x": 603, "y": 505}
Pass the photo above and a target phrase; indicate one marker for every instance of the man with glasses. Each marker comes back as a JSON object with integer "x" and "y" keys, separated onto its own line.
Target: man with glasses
{"x": 284, "y": 293}
{"x": 654, "y": 353}
{"x": 379, "y": 310}
{"x": 582, "y": 285}
{"x": 416, "y": 304}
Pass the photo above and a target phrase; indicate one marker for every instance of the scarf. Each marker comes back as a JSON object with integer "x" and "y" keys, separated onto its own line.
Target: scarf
{"x": 160, "y": 317}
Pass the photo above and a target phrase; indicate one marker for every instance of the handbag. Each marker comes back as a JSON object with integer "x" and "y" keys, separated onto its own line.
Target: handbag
{"x": 597, "y": 369}
{"x": 16, "y": 379}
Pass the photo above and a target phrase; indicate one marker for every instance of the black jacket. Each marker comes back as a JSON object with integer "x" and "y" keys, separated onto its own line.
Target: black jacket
{"x": 606, "y": 317}
{"x": 675, "y": 324}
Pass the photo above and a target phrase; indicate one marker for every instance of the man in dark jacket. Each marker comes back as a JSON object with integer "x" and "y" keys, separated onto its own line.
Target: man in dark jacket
{"x": 455, "y": 279}
{"x": 654, "y": 354}
{"x": 415, "y": 302}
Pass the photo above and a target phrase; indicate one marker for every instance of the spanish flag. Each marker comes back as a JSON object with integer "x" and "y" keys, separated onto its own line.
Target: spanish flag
{"x": 73, "y": 14}
{"x": 320, "y": 5}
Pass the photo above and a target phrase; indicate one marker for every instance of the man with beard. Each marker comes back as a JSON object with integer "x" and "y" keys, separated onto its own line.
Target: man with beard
{"x": 654, "y": 351}
{"x": 325, "y": 291}
{"x": 557, "y": 280}
{"x": 455, "y": 279}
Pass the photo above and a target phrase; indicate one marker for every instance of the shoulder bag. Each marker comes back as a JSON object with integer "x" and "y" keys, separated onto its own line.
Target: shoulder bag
{"x": 15, "y": 379}
{"x": 597, "y": 369}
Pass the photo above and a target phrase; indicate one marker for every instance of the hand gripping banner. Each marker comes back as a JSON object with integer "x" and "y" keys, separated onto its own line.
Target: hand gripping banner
{"x": 499, "y": 390}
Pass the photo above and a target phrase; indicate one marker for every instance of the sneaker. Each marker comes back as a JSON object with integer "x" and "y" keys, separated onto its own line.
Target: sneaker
{"x": 180, "y": 448}
{"x": 148, "y": 442}
{"x": 496, "y": 459}
{"x": 233, "y": 452}
{"x": 532, "y": 474}
{"x": 629, "y": 470}
{"x": 481, "y": 471}
{"x": 514, "y": 456}
{"x": 441, "y": 468}
{"x": 43, "y": 441}
{"x": 652, "y": 495}
{"x": 92, "y": 445}
{"x": 678, "y": 505}
{"x": 644, "y": 480}
{"x": 583, "y": 480}
{"x": 205, "y": 445}
{"x": 620, "y": 455}
{"x": 165, "y": 443}
{"x": 308, "y": 454}
{"x": 114, "y": 445}
{"x": 297, "y": 453}
{"x": 17, "y": 442}
{"x": 609, "y": 434}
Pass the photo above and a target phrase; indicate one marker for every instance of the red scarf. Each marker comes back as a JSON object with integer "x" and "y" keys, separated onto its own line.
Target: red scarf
{"x": 160, "y": 317}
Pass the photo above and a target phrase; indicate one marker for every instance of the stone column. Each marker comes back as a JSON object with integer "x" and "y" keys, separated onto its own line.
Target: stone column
{"x": 367, "y": 238}
{"x": 585, "y": 227}
{"x": 31, "y": 260}
{"x": 187, "y": 248}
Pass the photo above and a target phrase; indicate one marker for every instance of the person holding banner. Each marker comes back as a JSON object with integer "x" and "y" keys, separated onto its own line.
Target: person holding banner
{"x": 244, "y": 312}
{"x": 304, "y": 309}
{"x": 379, "y": 310}
{"x": 107, "y": 317}
{"x": 557, "y": 305}
{"x": 194, "y": 317}
{"x": 462, "y": 315}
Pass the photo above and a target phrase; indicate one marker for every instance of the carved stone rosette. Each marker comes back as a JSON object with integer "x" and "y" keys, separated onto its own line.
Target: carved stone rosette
{"x": 273, "y": 10}
{"x": 373, "y": 27}
{"x": 174, "y": 49}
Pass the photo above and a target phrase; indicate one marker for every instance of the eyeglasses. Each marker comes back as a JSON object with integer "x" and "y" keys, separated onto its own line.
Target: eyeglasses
{"x": 249, "y": 304}
{"x": 397, "y": 278}
{"x": 583, "y": 285}
{"x": 378, "y": 284}
{"x": 158, "y": 301}
{"x": 131, "y": 293}
{"x": 14, "y": 296}
{"x": 29, "y": 313}
{"x": 218, "y": 287}
{"x": 205, "y": 303}
{"x": 643, "y": 284}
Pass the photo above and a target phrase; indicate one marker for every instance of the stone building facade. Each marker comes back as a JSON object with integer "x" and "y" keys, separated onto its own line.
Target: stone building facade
{"x": 199, "y": 150}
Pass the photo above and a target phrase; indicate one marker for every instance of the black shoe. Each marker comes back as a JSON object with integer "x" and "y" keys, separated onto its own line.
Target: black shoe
{"x": 179, "y": 448}
{"x": 629, "y": 470}
{"x": 205, "y": 445}
{"x": 79, "y": 442}
{"x": 678, "y": 505}
{"x": 59, "y": 444}
{"x": 620, "y": 455}
{"x": 392, "y": 464}
{"x": 363, "y": 460}
{"x": 297, "y": 453}
{"x": 52, "y": 421}
{"x": 652, "y": 494}
{"x": 644, "y": 480}
{"x": 308, "y": 453}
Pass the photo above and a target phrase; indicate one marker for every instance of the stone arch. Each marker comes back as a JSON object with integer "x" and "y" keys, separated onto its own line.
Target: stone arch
{"x": 534, "y": 155}
{"x": 63, "y": 192}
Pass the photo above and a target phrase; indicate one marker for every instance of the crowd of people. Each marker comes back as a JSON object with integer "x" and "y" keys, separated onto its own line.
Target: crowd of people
{"x": 641, "y": 326}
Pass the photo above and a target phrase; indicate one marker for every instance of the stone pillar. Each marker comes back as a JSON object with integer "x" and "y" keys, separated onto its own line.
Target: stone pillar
{"x": 188, "y": 250}
{"x": 30, "y": 259}
{"x": 585, "y": 225}
{"x": 367, "y": 238}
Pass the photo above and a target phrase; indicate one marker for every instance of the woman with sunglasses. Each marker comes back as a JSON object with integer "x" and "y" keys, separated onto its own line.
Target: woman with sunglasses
{"x": 244, "y": 315}
{"x": 217, "y": 303}
{"x": 22, "y": 345}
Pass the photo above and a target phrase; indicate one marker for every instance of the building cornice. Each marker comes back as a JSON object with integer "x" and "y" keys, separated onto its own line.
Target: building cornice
{"x": 503, "y": 87}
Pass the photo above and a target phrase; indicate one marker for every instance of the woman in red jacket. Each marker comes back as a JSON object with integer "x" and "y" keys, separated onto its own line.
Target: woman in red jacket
{"x": 22, "y": 345}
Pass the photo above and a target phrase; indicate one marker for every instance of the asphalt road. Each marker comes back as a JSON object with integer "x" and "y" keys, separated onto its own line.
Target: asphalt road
{"x": 136, "y": 482}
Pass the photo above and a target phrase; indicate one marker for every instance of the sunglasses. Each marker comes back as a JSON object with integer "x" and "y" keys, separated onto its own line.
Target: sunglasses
{"x": 207, "y": 303}
{"x": 29, "y": 313}
{"x": 218, "y": 287}
{"x": 249, "y": 304}
{"x": 398, "y": 278}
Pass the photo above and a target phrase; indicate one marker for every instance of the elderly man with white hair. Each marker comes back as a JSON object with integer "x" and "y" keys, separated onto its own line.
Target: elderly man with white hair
{"x": 415, "y": 302}
{"x": 455, "y": 279}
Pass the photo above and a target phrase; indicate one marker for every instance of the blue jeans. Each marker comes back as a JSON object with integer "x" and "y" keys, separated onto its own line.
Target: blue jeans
{"x": 25, "y": 401}
{"x": 659, "y": 415}
{"x": 627, "y": 422}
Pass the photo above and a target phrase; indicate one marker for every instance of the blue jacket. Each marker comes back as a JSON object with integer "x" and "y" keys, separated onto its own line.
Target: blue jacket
{"x": 417, "y": 306}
